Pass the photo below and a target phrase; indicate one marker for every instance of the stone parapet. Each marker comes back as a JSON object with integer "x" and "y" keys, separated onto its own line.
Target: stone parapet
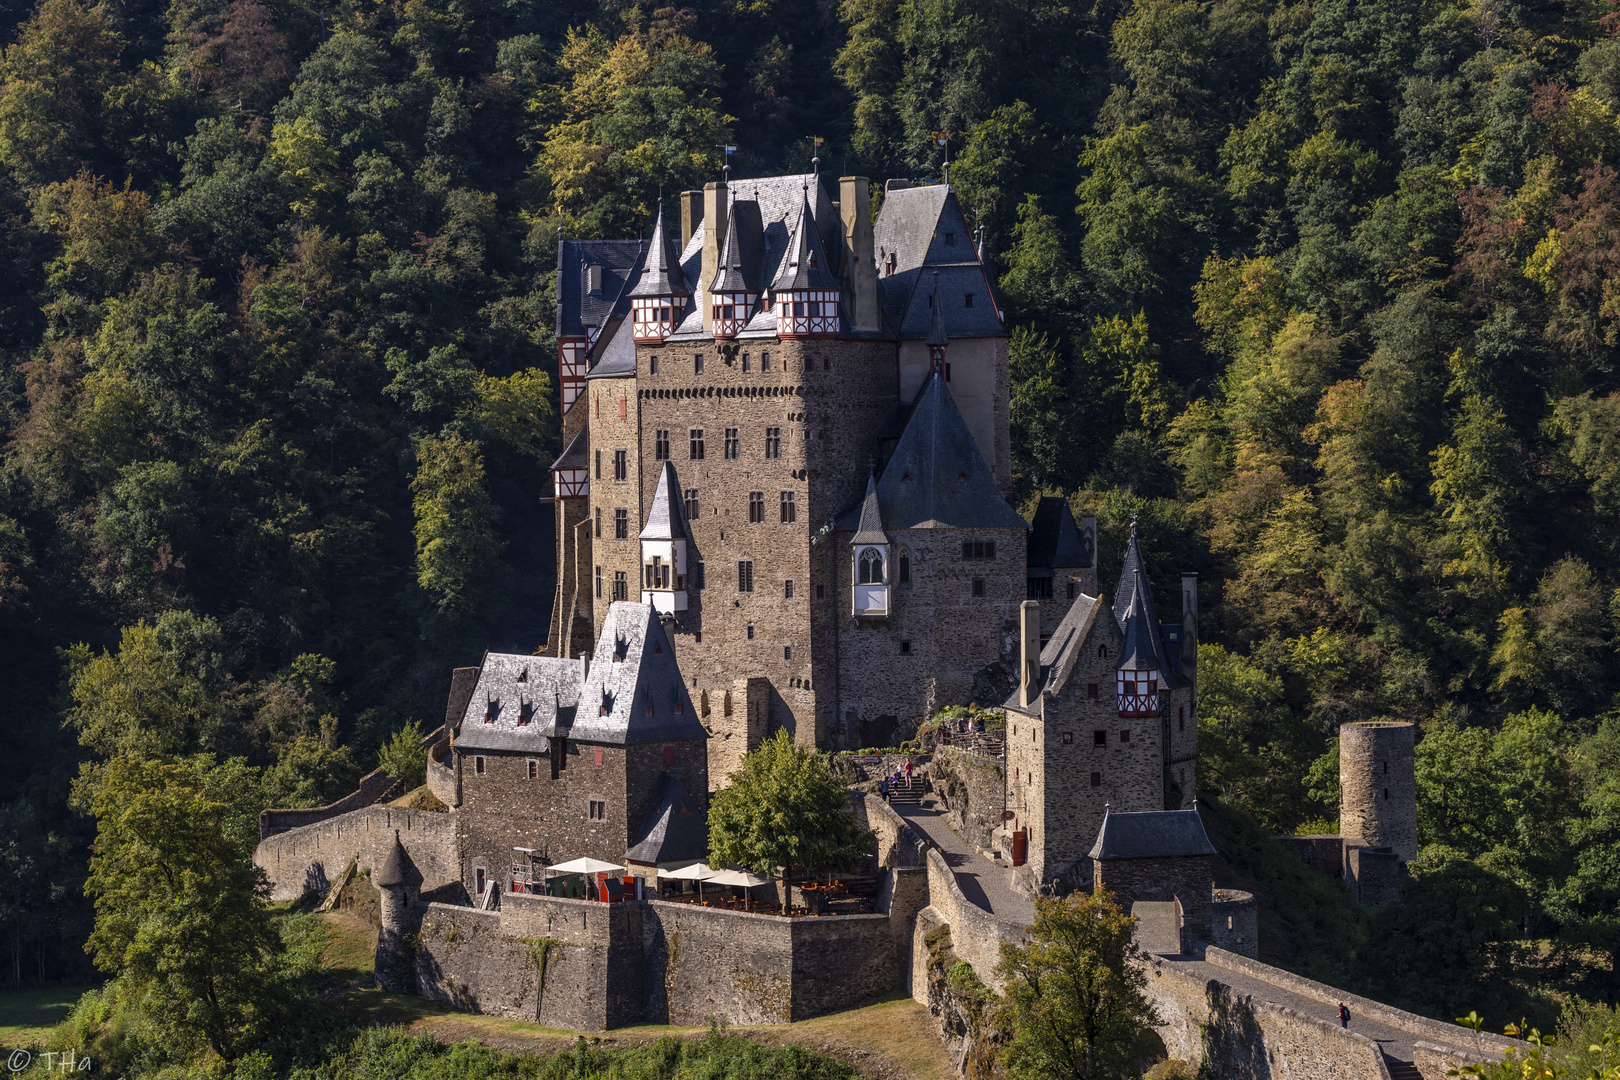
{"x": 307, "y": 858}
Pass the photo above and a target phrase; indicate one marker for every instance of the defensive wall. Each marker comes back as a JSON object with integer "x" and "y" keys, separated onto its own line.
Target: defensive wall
{"x": 374, "y": 786}
{"x": 973, "y": 788}
{"x": 590, "y": 966}
{"x": 308, "y": 858}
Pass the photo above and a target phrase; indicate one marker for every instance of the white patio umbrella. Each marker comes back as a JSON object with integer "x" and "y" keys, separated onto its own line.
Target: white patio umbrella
{"x": 738, "y": 877}
{"x": 585, "y": 866}
{"x": 697, "y": 872}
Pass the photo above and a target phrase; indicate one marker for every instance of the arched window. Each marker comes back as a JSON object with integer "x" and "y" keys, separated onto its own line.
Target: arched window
{"x": 903, "y": 567}
{"x": 871, "y": 567}
{"x": 705, "y": 700}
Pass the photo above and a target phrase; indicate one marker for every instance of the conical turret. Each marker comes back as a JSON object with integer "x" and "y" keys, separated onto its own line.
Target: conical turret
{"x": 659, "y": 300}
{"x": 731, "y": 296}
{"x": 806, "y": 295}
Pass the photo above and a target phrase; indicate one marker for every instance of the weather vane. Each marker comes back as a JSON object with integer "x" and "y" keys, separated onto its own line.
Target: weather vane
{"x": 726, "y": 150}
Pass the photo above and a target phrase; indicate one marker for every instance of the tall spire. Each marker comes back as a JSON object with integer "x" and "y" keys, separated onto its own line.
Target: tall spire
{"x": 870, "y": 528}
{"x": 728, "y": 277}
{"x": 803, "y": 266}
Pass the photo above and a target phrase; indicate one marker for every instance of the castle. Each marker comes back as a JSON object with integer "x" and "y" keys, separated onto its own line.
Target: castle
{"x": 786, "y": 429}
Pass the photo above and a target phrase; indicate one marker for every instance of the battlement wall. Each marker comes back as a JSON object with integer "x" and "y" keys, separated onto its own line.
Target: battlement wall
{"x": 308, "y": 858}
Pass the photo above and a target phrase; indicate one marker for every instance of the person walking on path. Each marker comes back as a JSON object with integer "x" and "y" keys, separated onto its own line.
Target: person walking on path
{"x": 1344, "y": 1016}
{"x": 908, "y": 772}
{"x": 884, "y": 787}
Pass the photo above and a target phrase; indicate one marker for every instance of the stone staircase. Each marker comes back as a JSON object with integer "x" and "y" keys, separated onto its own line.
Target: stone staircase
{"x": 907, "y": 792}
{"x": 1402, "y": 1070}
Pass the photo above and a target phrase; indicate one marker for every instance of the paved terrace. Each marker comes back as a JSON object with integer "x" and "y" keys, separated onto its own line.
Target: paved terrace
{"x": 985, "y": 883}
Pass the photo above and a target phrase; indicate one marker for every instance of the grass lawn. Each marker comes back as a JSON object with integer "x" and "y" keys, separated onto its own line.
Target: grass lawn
{"x": 27, "y": 1016}
{"x": 894, "y": 1038}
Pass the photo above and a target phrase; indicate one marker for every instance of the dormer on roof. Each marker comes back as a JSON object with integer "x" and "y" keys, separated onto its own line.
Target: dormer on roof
{"x": 731, "y": 295}
{"x": 519, "y": 702}
{"x": 658, "y": 301}
{"x": 634, "y": 685}
{"x": 663, "y": 547}
{"x": 805, "y": 295}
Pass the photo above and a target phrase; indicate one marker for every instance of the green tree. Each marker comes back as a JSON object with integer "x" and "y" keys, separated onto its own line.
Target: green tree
{"x": 456, "y": 546}
{"x": 180, "y": 907}
{"x": 785, "y": 808}
{"x": 403, "y": 756}
{"x": 1076, "y": 993}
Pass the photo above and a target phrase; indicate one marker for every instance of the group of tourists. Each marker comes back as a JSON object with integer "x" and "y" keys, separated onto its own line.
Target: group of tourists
{"x": 893, "y": 780}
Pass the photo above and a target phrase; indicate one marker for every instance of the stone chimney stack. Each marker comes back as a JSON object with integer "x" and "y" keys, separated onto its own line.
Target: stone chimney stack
{"x": 691, "y": 216}
{"x": 859, "y": 262}
{"x": 1189, "y": 631}
{"x": 1029, "y": 652}
{"x": 714, "y": 242}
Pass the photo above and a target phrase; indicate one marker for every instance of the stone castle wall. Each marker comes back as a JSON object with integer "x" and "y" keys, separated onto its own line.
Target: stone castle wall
{"x": 373, "y": 787}
{"x": 974, "y": 791}
{"x": 1235, "y": 922}
{"x": 307, "y": 859}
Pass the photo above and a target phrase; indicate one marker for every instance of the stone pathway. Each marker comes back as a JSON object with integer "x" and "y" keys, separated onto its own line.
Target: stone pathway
{"x": 983, "y": 882}
{"x": 1396, "y": 1044}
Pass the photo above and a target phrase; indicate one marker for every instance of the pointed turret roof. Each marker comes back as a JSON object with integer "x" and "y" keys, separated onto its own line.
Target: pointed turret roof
{"x": 666, "y": 518}
{"x": 397, "y": 868}
{"x": 936, "y": 478}
{"x": 1054, "y": 537}
{"x": 675, "y": 830}
{"x": 731, "y": 275}
{"x": 1133, "y": 607}
{"x": 936, "y": 317}
{"x": 805, "y": 265}
{"x": 870, "y": 529}
{"x": 634, "y": 692}
{"x": 661, "y": 276}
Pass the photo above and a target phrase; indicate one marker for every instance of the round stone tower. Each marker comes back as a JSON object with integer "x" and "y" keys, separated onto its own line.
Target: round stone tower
{"x": 398, "y": 880}
{"x": 1378, "y": 786}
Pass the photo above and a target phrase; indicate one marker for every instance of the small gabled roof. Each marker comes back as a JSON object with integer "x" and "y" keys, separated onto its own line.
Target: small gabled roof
{"x": 805, "y": 264}
{"x": 1157, "y": 834}
{"x": 614, "y": 354}
{"x": 519, "y": 702}
{"x": 1054, "y": 538}
{"x": 1087, "y": 616}
{"x": 869, "y": 530}
{"x": 936, "y": 478}
{"x": 666, "y": 518}
{"x": 634, "y": 692}
{"x": 578, "y": 454}
{"x": 661, "y": 271}
{"x": 924, "y": 229}
{"x": 675, "y": 830}
{"x": 397, "y": 868}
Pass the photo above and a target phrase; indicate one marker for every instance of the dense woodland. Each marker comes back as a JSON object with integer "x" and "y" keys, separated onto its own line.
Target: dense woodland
{"x": 1327, "y": 294}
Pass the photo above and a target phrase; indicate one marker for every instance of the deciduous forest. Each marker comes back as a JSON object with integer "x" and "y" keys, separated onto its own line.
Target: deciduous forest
{"x": 1326, "y": 293}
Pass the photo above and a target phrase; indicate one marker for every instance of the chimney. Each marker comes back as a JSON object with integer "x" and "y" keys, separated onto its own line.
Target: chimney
{"x": 860, "y": 265}
{"x": 1088, "y": 530}
{"x": 1189, "y": 631}
{"x": 584, "y": 667}
{"x": 691, "y": 215}
{"x": 714, "y": 242}
{"x": 896, "y": 185}
{"x": 1029, "y": 652}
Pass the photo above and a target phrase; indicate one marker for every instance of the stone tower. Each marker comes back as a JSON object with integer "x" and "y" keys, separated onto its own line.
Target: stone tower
{"x": 1378, "y": 787}
{"x": 398, "y": 880}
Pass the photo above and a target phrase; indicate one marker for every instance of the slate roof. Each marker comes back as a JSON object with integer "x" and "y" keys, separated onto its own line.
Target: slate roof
{"x": 805, "y": 262}
{"x": 675, "y": 830}
{"x": 869, "y": 530}
{"x": 578, "y": 453}
{"x": 661, "y": 275}
{"x": 767, "y": 213}
{"x": 1159, "y": 834}
{"x": 1133, "y": 607}
{"x": 733, "y": 274}
{"x": 1054, "y": 538}
{"x": 926, "y": 231}
{"x": 666, "y": 518}
{"x": 614, "y": 354}
{"x": 1061, "y": 651}
{"x": 519, "y": 702}
{"x": 577, "y": 308}
{"x": 634, "y": 692}
{"x": 936, "y": 478}
{"x": 397, "y": 867}
{"x": 936, "y": 316}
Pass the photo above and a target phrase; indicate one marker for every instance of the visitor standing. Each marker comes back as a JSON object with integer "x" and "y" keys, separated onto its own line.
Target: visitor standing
{"x": 884, "y": 787}
{"x": 1344, "y": 1016}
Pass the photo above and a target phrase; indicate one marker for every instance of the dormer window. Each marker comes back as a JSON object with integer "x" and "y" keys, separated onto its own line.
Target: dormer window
{"x": 621, "y": 647}
{"x": 607, "y": 704}
{"x": 525, "y": 713}
{"x": 593, "y": 277}
{"x": 523, "y": 676}
{"x": 491, "y": 708}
